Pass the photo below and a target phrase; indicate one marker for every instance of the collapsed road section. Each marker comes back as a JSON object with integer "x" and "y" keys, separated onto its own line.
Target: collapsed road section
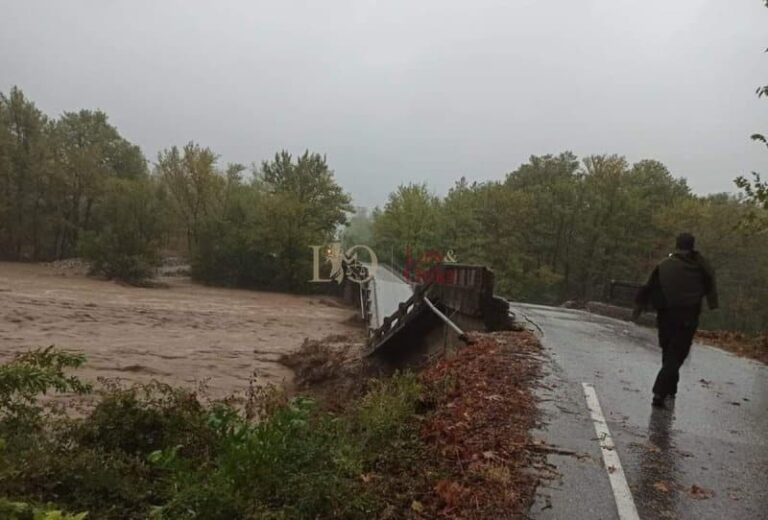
{"x": 407, "y": 319}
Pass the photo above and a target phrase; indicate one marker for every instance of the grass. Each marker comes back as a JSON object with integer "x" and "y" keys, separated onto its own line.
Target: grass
{"x": 157, "y": 452}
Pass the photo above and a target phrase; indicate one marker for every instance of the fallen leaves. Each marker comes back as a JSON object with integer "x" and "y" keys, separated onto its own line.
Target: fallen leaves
{"x": 481, "y": 425}
{"x": 755, "y": 347}
{"x": 695, "y": 491}
{"x": 417, "y": 506}
{"x": 700, "y": 493}
{"x": 451, "y": 493}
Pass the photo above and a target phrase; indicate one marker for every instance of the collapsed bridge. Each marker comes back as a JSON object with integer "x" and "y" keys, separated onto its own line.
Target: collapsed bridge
{"x": 402, "y": 315}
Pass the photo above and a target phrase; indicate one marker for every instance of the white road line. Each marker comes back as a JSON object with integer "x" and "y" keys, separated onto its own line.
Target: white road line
{"x": 621, "y": 492}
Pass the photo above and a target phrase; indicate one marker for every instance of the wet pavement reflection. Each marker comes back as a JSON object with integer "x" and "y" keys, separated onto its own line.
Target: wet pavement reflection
{"x": 706, "y": 459}
{"x": 659, "y": 489}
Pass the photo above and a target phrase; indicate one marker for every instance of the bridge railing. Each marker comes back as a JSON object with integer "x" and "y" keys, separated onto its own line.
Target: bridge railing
{"x": 355, "y": 270}
{"x": 395, "y": 320}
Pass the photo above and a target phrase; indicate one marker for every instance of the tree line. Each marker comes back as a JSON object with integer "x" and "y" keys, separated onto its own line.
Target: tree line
{"x": 559, "y": 228}
{"x": 72, "y": 186}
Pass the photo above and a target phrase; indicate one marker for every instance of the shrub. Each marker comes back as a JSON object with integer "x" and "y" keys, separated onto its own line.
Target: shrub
{"x": 29, "y": 375}
{"x": 151, "y": 451}
{"x": 126, "y": 243}
{"x": 384, "y": 412}
{"x": 145, "y": 418}
{"x": 22, "y": 511}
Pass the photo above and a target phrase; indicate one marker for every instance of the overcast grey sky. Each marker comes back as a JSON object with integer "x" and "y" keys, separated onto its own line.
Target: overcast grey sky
{"x": 408, "y": 90}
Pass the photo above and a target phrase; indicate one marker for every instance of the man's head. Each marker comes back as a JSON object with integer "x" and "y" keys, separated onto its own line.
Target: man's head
{"x": 685, "y": 242}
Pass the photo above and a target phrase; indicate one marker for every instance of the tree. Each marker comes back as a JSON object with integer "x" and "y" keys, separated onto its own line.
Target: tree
{"x": 127, "y": 241}
{"x": 311, "y": 184}
{"x": 756, "y": 189}
{"x": 89, "y": 152}
{"x": 234, "y": 244}
{"x": 259, "y": 236}
{"x": 553, "y": 185}
{"x": 409, "y": 221}
{"x": 460, "y": 228}
{"x": 24, "y": 155}
{"x": 306, "y": 205}
{"x": 193, "y": 184}
{"x": 52, "y": 173}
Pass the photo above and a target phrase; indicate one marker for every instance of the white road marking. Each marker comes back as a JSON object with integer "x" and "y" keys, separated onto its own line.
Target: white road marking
{"x": 621, "y": 493}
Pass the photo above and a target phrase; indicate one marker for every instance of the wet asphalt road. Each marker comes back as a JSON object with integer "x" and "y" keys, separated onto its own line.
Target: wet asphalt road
{"x": 715, "y": 438}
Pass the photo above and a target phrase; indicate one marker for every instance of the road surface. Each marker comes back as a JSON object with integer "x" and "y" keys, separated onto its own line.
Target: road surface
{"x": 705, "y": 459}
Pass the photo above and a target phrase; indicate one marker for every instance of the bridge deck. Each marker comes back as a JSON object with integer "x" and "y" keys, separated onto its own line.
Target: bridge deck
{"x": 388, "y": 290}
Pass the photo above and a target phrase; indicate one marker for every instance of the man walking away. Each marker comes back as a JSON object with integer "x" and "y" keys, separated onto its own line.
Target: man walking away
{"x": 675, "y": 289}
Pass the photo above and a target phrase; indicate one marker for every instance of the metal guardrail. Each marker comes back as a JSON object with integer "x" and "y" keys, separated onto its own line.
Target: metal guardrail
{"x": 465, "y": 288}
{"x": 622, "y": 293}
{"x": 398, "y": 319}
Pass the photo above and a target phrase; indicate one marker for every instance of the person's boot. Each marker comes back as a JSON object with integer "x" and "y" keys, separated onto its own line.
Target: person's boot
{"x": 658, "y": 401}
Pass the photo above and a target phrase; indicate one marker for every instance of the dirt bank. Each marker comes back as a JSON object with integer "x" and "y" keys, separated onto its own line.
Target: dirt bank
{"x": 182, "y": 335}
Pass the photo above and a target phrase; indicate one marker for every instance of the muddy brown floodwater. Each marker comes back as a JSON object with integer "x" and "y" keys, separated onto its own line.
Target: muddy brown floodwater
{"x": 184, "y": 335}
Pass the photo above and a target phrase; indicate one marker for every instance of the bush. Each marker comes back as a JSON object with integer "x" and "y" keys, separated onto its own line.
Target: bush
{"x": 151, "y": 451}
{"x": 145, "y": 418}
{"x": 384, "y": 412}
{"x": 289, "y": 465}
{"x": 21, "y": 511}
{"x": 29, "y": 375}
{"x": 126, "y": 245}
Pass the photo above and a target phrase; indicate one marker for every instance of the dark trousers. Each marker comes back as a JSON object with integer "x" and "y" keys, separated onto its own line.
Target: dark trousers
{"x": 676, "y": 330}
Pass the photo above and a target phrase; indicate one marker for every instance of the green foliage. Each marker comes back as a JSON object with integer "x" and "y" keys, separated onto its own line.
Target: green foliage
{"x": 126, "y": 245}
{"x": 756, "y": 192}
{"x": 409, "y": 221}
{"x": 559, "y": 229}
{"x": 384, "y": 412}
{"x": 146, "y": 418}
{"x": 53, "y": 173}
{"x": 22, "y": 511}
{"x": 235, "y": 247}
{"x": 194, "y": 185}
{"x": 293, "y": 463}
{"x": 25, "y": 173}
{"x": 157, "y": 452}
{"x": 260, "y": 234}
{"x": 74, "y": 185}
{"x": 31, "y": 374}
{"x": 756, "y": 189}
{"x": 309, "y": 182}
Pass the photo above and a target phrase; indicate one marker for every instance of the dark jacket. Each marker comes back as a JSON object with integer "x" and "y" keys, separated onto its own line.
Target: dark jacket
{"x": 681, "y": 280}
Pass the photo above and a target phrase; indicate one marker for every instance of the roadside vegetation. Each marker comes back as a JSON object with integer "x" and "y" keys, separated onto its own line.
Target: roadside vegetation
{"x": 152, "y": 451}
